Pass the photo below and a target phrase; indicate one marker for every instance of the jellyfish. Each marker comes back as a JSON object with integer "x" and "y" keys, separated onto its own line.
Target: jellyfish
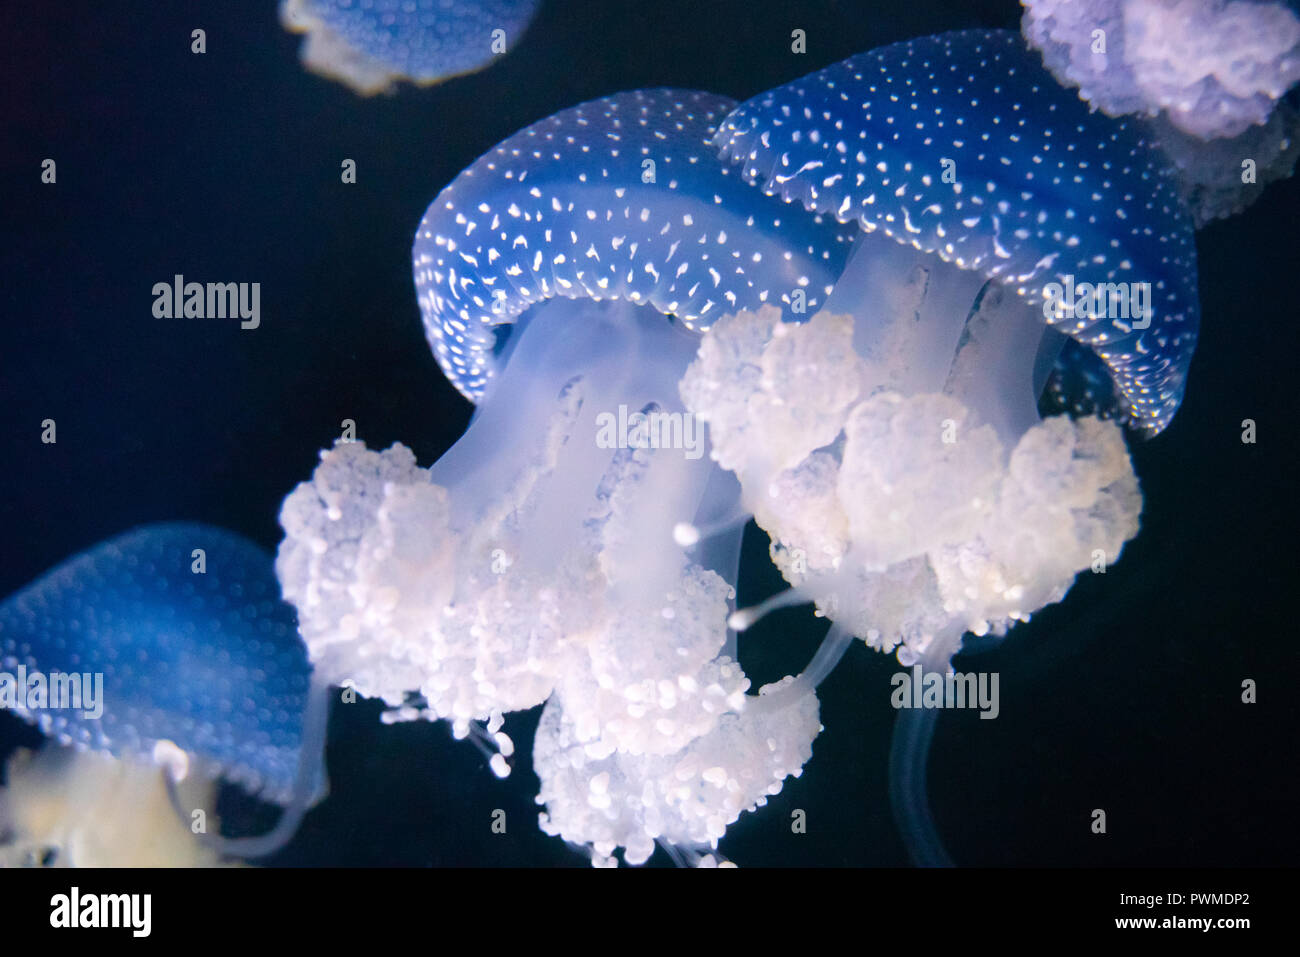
{"x": 563, "y": 280}
{"x": 1212, "y": 68}
{"x": 1221, "y": 177}
{"x": 891, "y": 445}
{"x": 183, "y": 667}
{"x": 61, "y": 807}
{"x": 373, "y": 44}
{"x": 1205, "y": 78}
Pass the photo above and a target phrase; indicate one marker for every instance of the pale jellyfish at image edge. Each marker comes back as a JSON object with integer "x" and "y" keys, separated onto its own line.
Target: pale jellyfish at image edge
{"x": 204, "y": 679}
{"x": 1214, "y": 68}
{"x": 1207, "y": 76}
{"x": 535, "y": 561}
{"x": 372, "y": 44}
{"x": 892, "y": 447}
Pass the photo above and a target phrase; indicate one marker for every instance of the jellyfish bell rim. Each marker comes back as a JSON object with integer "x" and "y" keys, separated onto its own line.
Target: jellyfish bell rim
{"x": 746, "y": 138}
{"x": 469, "y": 284}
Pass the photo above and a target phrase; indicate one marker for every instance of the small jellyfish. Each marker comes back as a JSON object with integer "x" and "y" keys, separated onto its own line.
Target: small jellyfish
{"x": 1212, "y": 68}
{"x": 165, "y": 646}
{"x": 892, "y": 446}
{"x": 373, "y": 44}
{"x": 563, "y": 280}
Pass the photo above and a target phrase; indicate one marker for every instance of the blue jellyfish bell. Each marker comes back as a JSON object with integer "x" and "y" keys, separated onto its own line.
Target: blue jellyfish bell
{"x": 185, "y": 656}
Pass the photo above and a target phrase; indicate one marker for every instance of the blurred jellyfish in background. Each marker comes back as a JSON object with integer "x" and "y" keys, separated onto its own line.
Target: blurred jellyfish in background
{"x": 372, "y": 44}
{"x": 61, "y": 807}
{"x": 891, "y": 446}
{"x": 198, "y": 675}
{"x": 1214, "y": 68}
{"x": 1220, "y": 178}
{"x": 534, "y": 562}
{"x": 1208, "y": 76}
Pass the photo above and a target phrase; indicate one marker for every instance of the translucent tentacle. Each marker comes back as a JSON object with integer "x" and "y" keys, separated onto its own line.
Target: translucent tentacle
{"x": 909, "y": 759}
{"x": 308, "y": 786}
{"x": 909, "y": 754}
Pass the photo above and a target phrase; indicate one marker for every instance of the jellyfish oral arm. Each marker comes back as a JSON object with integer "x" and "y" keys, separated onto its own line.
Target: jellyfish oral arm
{"x": 614, "y": 366}
{"x": 909, "y": 315}
{"x": 922, "y": 498}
